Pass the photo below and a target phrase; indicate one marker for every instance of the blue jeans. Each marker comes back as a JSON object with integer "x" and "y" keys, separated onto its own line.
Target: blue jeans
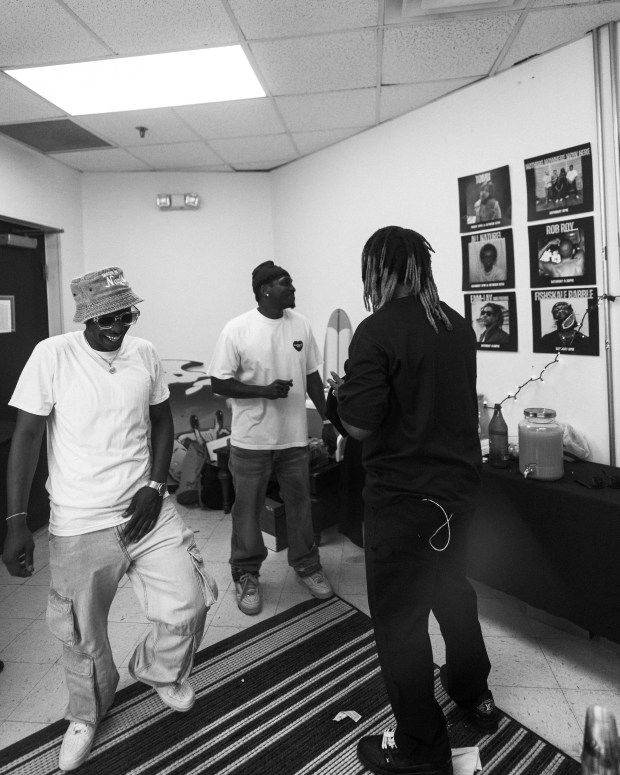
{"x": 251, "y": 470}
{"x": 169, "y": 578}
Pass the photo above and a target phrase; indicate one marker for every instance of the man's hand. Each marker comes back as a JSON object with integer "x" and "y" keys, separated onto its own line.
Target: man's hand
{"x": 330, "y": 438}
{"x": 278, "y": 389}
{"x": 19, "y": 549}
{"x": 335, "y": 383}
{"x": 144, "y": 510}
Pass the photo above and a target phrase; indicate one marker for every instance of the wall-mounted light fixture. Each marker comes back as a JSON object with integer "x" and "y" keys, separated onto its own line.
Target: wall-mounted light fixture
{"x": 177, "y": 201}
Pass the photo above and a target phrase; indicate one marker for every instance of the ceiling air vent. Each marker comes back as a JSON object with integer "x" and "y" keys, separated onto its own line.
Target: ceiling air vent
{"x": 398, "y": 11}
{"x": 54, "y": 136}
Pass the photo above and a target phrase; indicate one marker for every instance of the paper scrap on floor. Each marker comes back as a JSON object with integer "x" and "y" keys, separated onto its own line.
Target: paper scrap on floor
{"x": 466, "y": 761}
{"x": 352, "y": 714}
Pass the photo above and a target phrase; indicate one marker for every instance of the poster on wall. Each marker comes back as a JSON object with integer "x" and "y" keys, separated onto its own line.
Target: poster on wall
{"x": 493, "y": 316}
{"x": 562, "y": 253}
{"x": 565, "y": 320}
{"x": 485, "y": 201}
{"x": 488, "y": 260}
{"x": 559, "y": 183}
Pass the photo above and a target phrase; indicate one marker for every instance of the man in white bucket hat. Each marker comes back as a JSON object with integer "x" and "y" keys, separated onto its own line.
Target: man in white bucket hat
{"x": 103, "y": 398}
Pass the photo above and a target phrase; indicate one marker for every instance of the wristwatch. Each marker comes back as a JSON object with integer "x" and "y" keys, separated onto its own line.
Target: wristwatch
{"x": 159, "y": 486}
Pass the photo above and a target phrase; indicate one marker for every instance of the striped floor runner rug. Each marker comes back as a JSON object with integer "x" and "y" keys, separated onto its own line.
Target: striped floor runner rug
{"x": 266, "y": 703}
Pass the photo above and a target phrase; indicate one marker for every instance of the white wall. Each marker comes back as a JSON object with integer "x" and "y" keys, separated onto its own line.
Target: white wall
{"x": 38, "y": 189}
{"x": 313, "y": 217}
{"x": 192, "y": 267}
{"x": 405, "y": 173}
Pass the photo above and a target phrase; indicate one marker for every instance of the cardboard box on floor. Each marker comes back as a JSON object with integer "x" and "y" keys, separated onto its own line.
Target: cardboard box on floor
{"x": 324, "y": 502}
{"x": 273, "y": 525}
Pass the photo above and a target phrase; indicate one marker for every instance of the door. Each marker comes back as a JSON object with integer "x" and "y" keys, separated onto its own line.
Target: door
{"x": 22, "y": 276}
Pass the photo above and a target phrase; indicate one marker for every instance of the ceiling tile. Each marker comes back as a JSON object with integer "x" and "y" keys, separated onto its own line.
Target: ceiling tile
{"x": 317, "y": 64}
{"x": 162, "y": 125}
{"x": 177, "y": 156}
{"x": 113, "y": 160}
{"x": 255, "y": 149}
{"x": 36, "y": 33}
{"x": 232, "y": 119}
{"x": 444, "y": 49}
{"x": 331, "y": 110}
{"x": 403, "y": 98}
{"x": 19, "y": 104}
{"x": 152, "y": 26}
{"x": 277, "y": 18}
{"x": 559, "y": 26}
{"x": 308, "y": 142}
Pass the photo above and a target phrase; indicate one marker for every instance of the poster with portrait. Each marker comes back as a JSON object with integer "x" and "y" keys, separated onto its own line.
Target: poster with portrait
{"x": 485, "y": 200}
{"x": 565, "y": 320}
{"x": 562, "y": 253}
{"x": 493, "y": 316}
{"x": 559, "y": 183}
{"x": 488, "y": 260}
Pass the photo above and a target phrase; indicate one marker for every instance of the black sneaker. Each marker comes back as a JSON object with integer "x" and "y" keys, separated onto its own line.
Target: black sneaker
{"x": 481, "y": 713}
{"x": 380, "y": 754}
{"x": 248, "y": 594}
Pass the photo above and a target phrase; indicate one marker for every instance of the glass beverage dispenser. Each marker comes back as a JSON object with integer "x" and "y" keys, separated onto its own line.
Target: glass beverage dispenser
{"x": 541, "y": 445}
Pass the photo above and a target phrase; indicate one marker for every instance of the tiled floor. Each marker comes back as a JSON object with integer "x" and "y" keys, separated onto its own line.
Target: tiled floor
{"x": 545, "y": 676}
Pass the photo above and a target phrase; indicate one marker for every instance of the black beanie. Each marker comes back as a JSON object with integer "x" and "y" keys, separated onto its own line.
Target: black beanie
{"x": 266, "y": 273}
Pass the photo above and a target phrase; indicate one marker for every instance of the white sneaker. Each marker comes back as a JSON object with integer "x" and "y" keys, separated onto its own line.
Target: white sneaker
{"x": 318, "y": 584}
{"x": 76, "y": 745}
{"x": 179, "y": 697}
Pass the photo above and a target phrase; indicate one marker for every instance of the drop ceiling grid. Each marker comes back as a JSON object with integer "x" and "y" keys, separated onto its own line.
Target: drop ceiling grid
{"x": 53, "y": 35}
{"x": 173, "y": 155}
{"x": 163, "y": 126}
{"x": 560, "y": 25}
{"x": 322, "y": 85}
{"x": 264, "y": 148}
{"x": 149, "y": 26}
{"x": 232, "y": 119}
{"x": 109, "y": 160}
{"x": 309, "y": 142}
{"x": 20, "y": 104}
{"x": 318, "y": 64}
{"x": 444, "y": 49}
{"x": 279, "y": 18}
{"x": 331, "y": 110}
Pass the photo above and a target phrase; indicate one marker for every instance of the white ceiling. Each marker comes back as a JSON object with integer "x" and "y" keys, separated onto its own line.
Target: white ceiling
{"x": 330, "y": 68}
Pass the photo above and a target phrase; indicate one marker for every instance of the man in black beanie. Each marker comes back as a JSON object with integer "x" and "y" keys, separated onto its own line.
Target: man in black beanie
{"x": 266, "y": 360}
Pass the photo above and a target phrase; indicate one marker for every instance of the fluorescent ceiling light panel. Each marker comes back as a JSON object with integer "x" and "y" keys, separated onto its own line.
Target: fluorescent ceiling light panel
{"x": 138, "y": 83}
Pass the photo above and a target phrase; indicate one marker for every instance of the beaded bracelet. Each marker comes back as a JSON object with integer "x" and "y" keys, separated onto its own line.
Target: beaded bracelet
{"x": 17, "y": 514}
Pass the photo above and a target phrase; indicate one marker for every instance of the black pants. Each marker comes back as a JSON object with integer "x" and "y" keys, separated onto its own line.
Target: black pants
{"x": 407, "y": 579}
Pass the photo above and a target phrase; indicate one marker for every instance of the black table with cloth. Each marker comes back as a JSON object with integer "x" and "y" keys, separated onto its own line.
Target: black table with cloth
{"x": 554, "y": 545}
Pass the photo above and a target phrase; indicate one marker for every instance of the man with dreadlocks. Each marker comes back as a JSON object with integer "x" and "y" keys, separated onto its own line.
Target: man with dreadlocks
{"x": 409, "y": 393}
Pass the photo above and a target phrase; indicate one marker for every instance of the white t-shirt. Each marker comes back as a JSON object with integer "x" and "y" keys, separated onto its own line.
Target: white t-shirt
{"x": 257, "y": 350}
{"x": 97, "y": 426}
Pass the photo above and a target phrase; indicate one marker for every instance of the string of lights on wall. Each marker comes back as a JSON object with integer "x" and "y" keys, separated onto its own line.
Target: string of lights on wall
{"x": 539, "y": 378}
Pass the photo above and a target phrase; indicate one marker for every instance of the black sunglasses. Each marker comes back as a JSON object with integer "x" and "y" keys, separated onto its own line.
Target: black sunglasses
{"x": 599, "y": 482}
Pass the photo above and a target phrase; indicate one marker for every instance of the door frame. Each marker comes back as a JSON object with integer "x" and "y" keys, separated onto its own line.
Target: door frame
{"x": 53, "y": 279}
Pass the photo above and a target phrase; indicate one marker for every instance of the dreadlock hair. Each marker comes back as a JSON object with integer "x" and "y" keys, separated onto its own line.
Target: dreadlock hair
{"x": 395, "y": 255}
